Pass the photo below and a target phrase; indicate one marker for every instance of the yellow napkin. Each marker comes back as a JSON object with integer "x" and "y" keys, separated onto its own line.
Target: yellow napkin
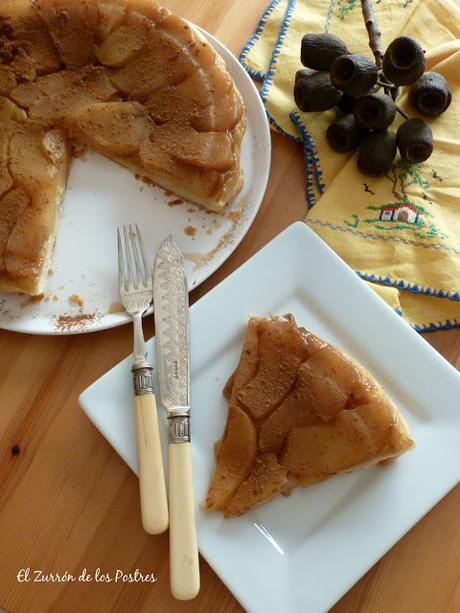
{"x": 401, "y": 232}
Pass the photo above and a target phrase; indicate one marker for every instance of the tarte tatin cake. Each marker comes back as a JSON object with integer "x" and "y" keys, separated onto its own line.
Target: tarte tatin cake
{"x": 124, "y": 77}
{"x": 300, "y": 412}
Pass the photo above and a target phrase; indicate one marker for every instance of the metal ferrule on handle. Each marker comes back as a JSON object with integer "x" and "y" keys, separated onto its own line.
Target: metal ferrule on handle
{"x": 179, "y": 428}
{"x": 143, "y": 380}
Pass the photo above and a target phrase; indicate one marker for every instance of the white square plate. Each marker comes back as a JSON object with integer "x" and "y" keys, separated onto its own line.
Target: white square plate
{"x": 302, "y": 553}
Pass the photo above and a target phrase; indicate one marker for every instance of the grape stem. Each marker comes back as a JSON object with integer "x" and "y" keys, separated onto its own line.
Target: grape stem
{"x": 401, "y": 112}
{"x": 386, "y": 84}
{"x": 373, "y": 32}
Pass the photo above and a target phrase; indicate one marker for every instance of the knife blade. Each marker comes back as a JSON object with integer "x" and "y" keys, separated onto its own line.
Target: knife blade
{"x": 171, "y": 307}
{"x": 171, "y": 324}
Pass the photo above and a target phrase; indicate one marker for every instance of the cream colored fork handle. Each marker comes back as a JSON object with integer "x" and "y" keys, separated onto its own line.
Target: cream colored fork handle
{"x": 183, "y": 550}
{"x": 154, "y": 503}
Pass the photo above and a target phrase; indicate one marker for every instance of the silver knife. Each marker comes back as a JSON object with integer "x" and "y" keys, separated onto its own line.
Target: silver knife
{"x": 170, "y": 295}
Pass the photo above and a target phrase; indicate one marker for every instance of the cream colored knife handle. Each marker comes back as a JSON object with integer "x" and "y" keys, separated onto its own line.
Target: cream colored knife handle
{"x": 183, "y": 549}
{"x": 154, "y": 503}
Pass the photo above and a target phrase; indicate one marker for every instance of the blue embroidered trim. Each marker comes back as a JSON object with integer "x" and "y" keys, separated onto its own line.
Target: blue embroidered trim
{"x": 271, "y": 69}
{"x": 257, "y": 74}
{"x": 446, "y": 325}
{"x": 386, "y": 238}
{"x": 278, "y": 128}
{"x": 276, "y": 49}
{"x": 414, "y": 288}
{"x": 311, "y": 160}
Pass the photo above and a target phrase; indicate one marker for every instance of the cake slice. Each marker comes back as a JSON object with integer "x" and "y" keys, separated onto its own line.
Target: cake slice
{"x": 300, "y": 412}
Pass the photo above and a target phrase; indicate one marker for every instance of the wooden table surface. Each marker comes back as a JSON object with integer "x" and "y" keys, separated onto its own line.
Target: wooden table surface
{"x": 68, "y": 502}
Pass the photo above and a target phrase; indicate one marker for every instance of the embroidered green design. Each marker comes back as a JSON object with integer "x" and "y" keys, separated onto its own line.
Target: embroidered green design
{"x": 353, "y": 224}
{"x": 344, "y": 7}
{"x": 403, "y": 214}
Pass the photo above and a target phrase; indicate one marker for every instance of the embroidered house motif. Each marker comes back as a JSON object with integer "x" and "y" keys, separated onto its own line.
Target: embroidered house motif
{"x": 400, "y": 211}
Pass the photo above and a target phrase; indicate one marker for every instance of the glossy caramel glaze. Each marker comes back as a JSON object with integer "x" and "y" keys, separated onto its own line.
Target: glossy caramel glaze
{"x": 300, "y": 412}
{"x": 125, "y": 77}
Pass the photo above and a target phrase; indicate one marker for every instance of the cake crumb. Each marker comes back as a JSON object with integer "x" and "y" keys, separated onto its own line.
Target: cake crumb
{"x": 234, "y": 215}
{"x": 76, "y": 300}
{"x": 50, "y": 272}
{"x": 115, "y": 307}
{"x": 190, "y": 231}
{"x": 175, "y": 202}
{"x": 32, "y": 300}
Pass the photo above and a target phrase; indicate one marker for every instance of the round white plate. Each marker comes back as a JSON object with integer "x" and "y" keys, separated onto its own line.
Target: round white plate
{"x": 82, "y": 293}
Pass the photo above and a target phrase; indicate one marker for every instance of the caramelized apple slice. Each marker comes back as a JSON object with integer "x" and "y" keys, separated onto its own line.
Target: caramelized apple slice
{"x": 296, "y": 410}
{"x": 355, "y": 437}
{"x": 111, "y": 15}
{"x": 73, "y": 28}
{"x": 149, "y": 9}
{"x": 266, "y": 480}
{"x": 114, "y": 128}
{"x": 6, "y": 182}
{"x": 10, "y": 114}
{"x": 202, "y": 183}
{"x": 165, "y": 60}
{"x": 34, "y": 50}
{"x": 125, "y": 41}
{"x": 234, "y": 459}
{"x": 212, "y": 150}
{"x": 10, "y": 111}
{"x": 38, "y": 161}
{"x": 247, "y": 365}
{"x": 7, "y": 81}
{"x": 222, "y": 108}
{"x": 30, "y": 162}
{"x": 207, "y": 100}
{"x": 12, "y": 207}
{"x": 54, "y": 97}
{"x": 333, "y": 384}
{"x": 281, "y": 350}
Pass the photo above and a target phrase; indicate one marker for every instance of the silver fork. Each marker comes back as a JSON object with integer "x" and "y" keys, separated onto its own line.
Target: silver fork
{"x": 136, "y": 294}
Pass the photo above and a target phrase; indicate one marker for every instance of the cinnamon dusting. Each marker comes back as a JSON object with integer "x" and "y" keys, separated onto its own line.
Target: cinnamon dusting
{"x": 72, "y": 323}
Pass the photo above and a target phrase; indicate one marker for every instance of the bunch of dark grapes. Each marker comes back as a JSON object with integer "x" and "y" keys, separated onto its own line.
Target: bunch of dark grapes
{"x": 364, "y": 96}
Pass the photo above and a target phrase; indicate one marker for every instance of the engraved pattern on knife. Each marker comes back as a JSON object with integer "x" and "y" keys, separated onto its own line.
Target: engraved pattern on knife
{"x": 171, "y": 307}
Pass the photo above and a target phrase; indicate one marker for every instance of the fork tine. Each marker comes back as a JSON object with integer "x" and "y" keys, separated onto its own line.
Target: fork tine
{"x": 131, "y": 280}
{"x": 139, "y": 273}
{"x": 121, "y": 264}
{"x": 144, "y": 259}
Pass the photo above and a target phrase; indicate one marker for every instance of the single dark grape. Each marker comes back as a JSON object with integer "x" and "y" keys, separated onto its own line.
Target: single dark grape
{"x": 430, "y": 94}
{"x": 346, "y": 103}
{"x": 315, "y": 92}
{"x": 374, "y": 111}
{"x": 344, "y": 134}
{"x": 404, "y": 61}
{"x": 354, "y": 74}
{"x": 376, "y": 153}
{"x": 303, "y": 72}
{"x": 318, "y": 51}
{"x": 415, "y": 140}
